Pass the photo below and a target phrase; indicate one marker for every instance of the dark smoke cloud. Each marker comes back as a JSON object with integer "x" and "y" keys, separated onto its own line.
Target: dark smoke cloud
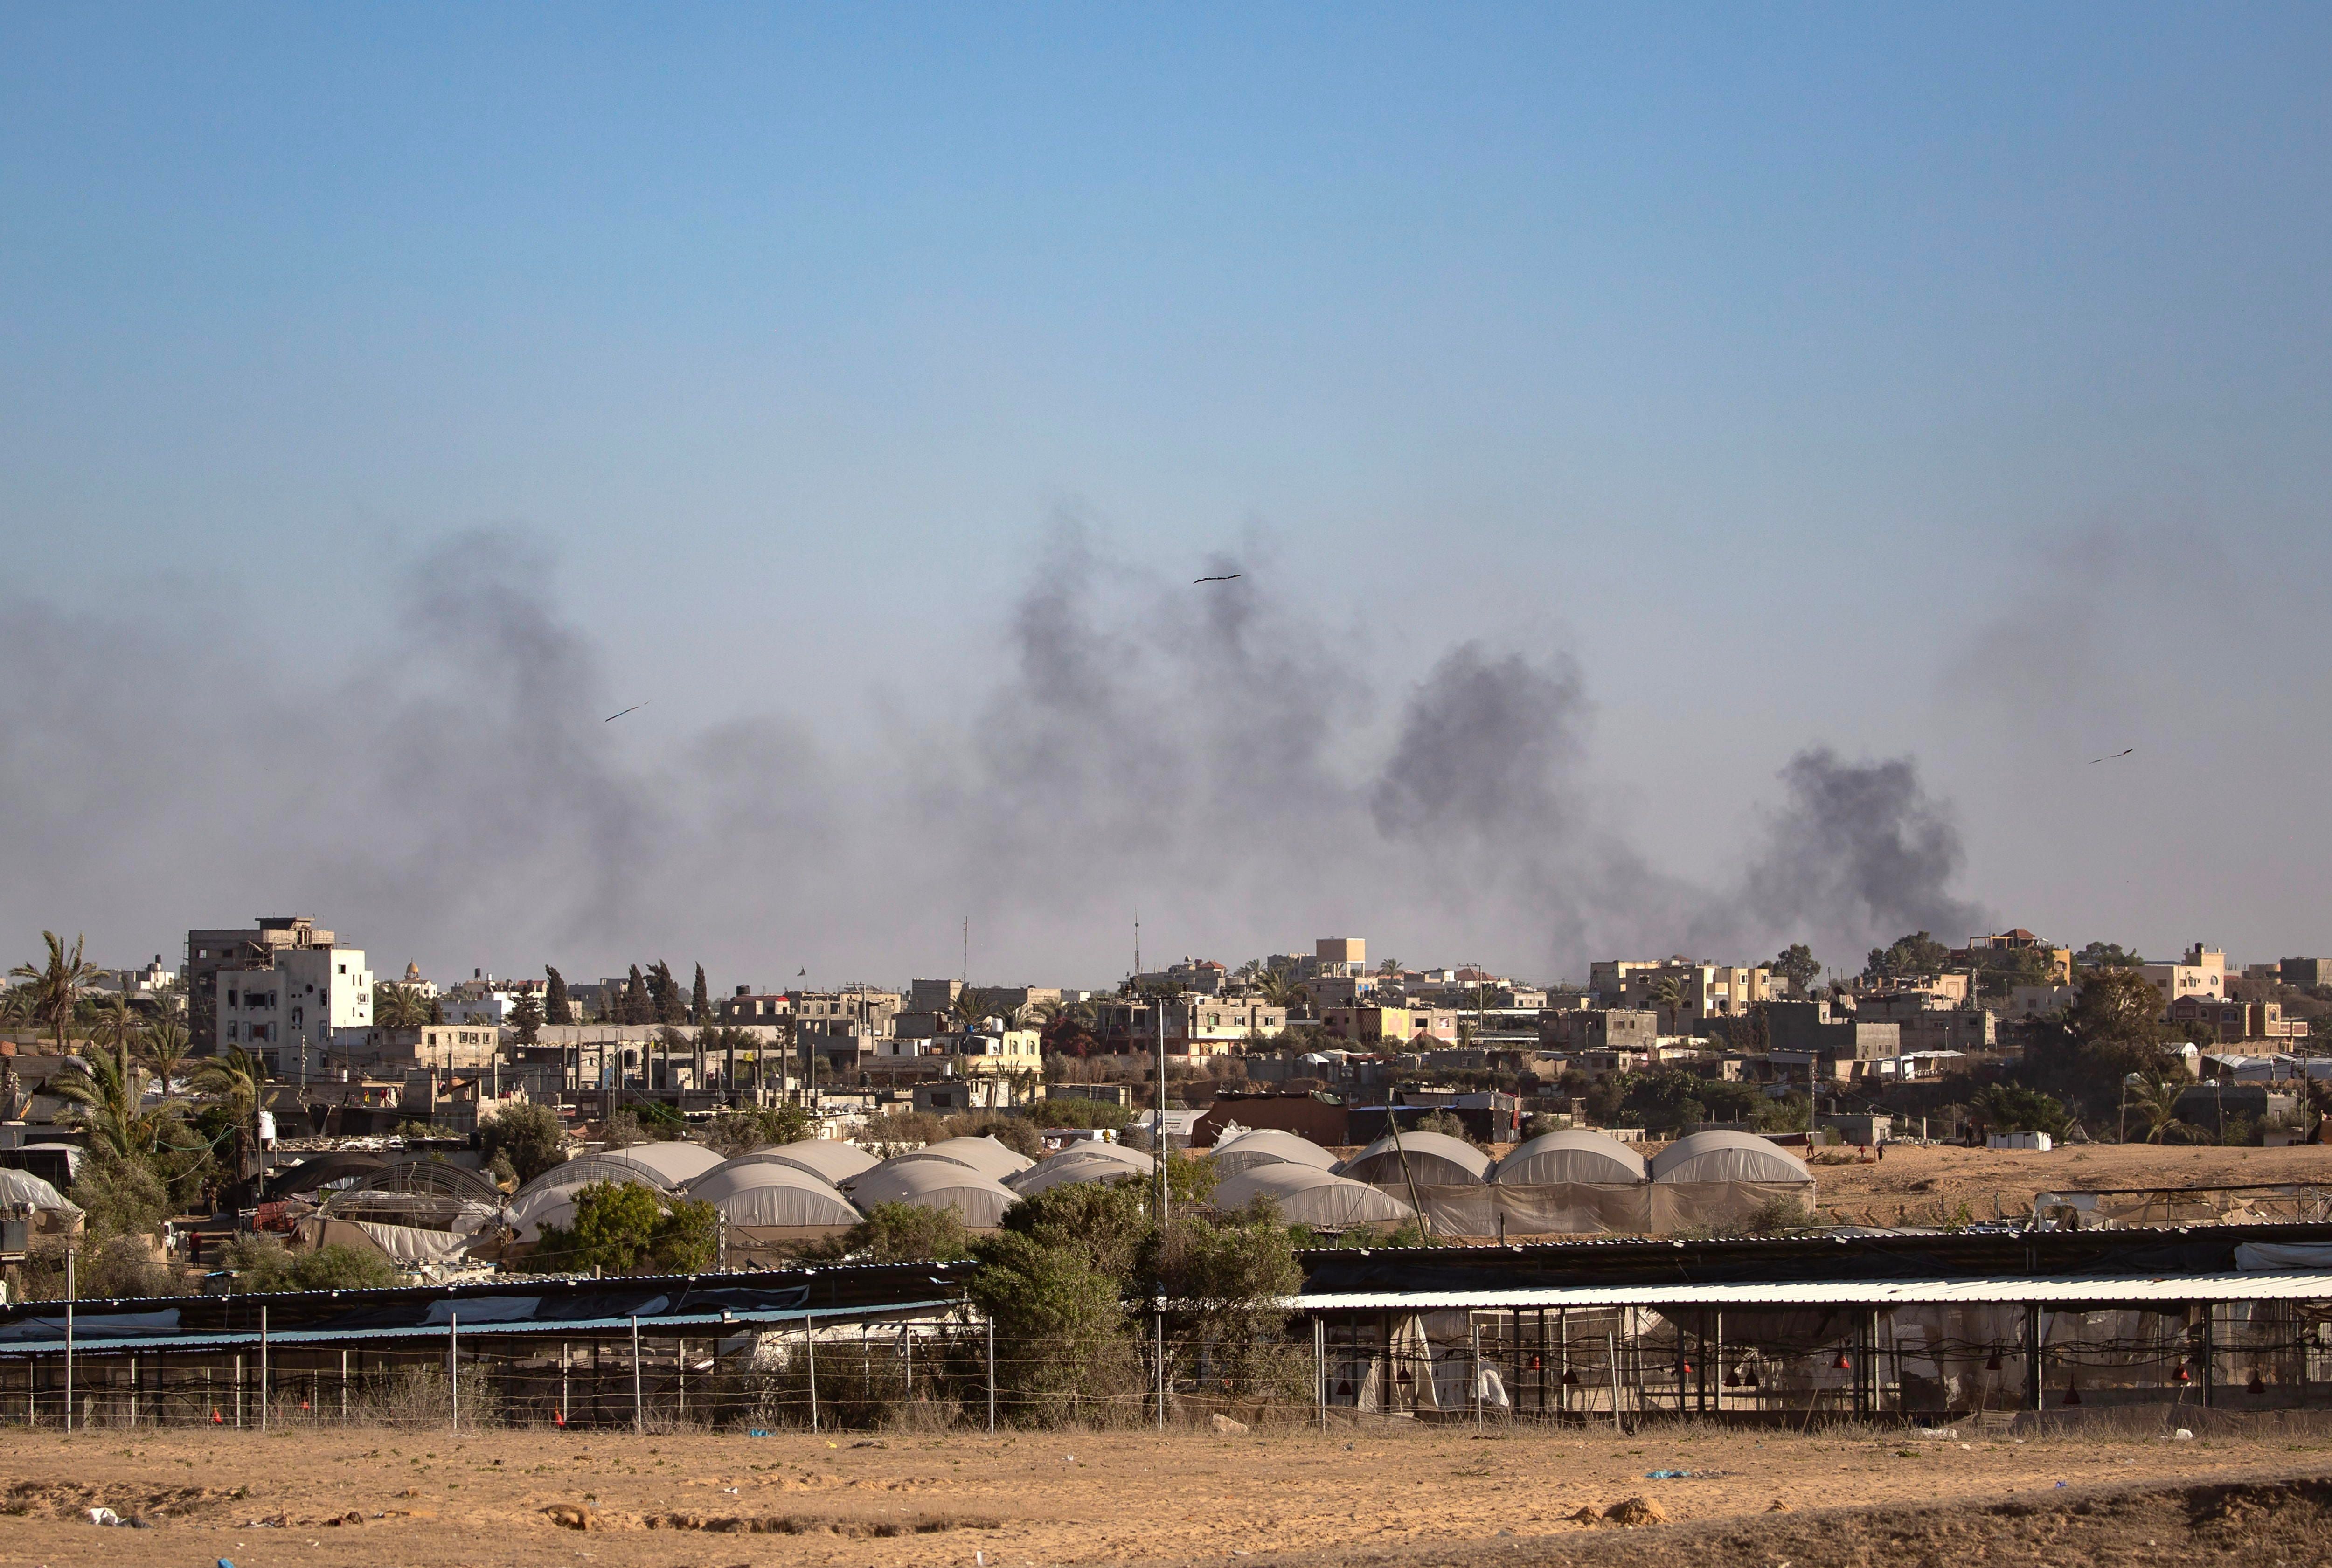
{"x": 1207, "y": 754}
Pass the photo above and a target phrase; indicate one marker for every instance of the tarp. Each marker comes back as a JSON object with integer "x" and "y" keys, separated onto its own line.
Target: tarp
{"x": 1431, "y": 1158}
{"x": 1723, "y": 1155}
{"x": 935, "y": 1184}
{"x": 408, "y": 1245}
{"x": 22, "y": 1188}
{"x": 584, "y": 1170}
{"x": 1309, "y": 1197}
{"x": 1269, "y": 1146}
{"x": 2283, "y": 1255}
{"x": 1573, "y": 1154}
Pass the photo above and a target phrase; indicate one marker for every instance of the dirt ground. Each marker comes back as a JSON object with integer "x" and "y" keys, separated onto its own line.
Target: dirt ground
{"x": 1384, "y": 1493}
{"x": 1913, "y": 1181}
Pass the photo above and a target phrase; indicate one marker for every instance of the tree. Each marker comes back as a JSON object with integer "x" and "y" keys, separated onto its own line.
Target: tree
{"x": 398, "y": 1006}
{"x": 437, "y": 1009}
{"x": 106, "y": 1093}
{"x": 621, "y": 1227}
{"x": 121, "y": 1197}
{"x": 559, "y": 1007}
{"x": 1064, "y": 1348}
{"x": 2107, "y": 955}
{"x": 1917, "y": 956}
{"x": 2013, "y": 1108}
{"x": 239, "y": 1079}
{"x": 1668, "y": 993}
{"x": 57, "y": 983}
{"x": 1281, "y": 989}
{"x": 2118, "y": 1006}
{"x": 741, "y": 1131}
{"x": 1796, "y": 964}
{"x": 526, "y": 1018}
{"x": 700, "y": 1002}
{"x": 165, "y": 1043}
{"x": 117, "y": 1025}
{"x": 634, "y": 1007}
{"x": 531, "y": 1135}
{"x": 664, "y": 992}
{"x": 905, "y": 1233}
{"x": 2153, "y": 1099}
{"x": 261, "y": 1263}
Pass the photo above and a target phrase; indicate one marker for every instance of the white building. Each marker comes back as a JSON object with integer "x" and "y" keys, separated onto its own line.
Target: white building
{"x": 291, "y": 1013}
{"x": 2201, "y": 973}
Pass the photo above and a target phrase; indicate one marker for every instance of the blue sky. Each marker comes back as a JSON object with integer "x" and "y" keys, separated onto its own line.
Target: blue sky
{"x": 1790, "y": 370}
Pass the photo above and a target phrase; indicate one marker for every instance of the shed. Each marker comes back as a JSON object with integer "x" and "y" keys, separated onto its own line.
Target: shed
{"x": 1576, "y": 1154}
{"x": 1433, "y": 1159}
{"x": 1722, "y": 1155}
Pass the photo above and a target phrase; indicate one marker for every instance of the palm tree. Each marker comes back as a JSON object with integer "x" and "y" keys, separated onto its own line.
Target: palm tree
{"x": 1666, "y": 992}
{"x": 240, "y": 1079}
{"x": 1281, "y": 990}
{"x": 396, "y": 1007}
{"x": 166, "y": 1047}
{"x": 118, "y": 1024}
{"x": 108, "y": 1095}
{"x": 2155, "y": 1099}
{"x": 969, "y": 1009}
{"x": 58, "y": 983}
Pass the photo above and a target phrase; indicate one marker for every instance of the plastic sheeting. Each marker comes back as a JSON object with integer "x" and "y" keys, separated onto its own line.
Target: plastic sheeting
{"x": 1085, "y": 1163}
{"x": 1595, "y": 1208}
{"x": 985, "y": 1155}
{"x": 676, "y": 1162}
{"x": 1315, "y": 1198}
{"x": 774, "y": 1196}
{"x": 829, "y": 1159}
{"x": 1269, "y": 1146}
{"x": 1728, "y": 1156}
{"x": 21, "y": 1187}
{"x": 585, "y": 1169}
{"x": 1573, "y": 1154}
{"x": 1434, "y": 1159}
{"x": 936, "y": 1184}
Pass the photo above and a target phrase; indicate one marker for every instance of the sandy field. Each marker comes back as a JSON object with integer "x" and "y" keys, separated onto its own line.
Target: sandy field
{"x": 1913, "y": 1181}
{"x": 1376, "y": 1493}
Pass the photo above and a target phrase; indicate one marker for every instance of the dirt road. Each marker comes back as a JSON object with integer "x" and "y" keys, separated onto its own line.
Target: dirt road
{"x": 1918, "y": 1183}
{"x": 375, "y": 1497}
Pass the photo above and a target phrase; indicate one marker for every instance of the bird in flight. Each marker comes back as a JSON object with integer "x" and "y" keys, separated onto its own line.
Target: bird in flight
{"x": 2115, "y": 758}
{"x": 635, "y": 708}
{"x": 1230, "y": 577}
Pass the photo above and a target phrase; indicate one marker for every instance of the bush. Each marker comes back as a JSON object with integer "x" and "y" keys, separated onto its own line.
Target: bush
{"x": 121, "y": 1198}
{"x": 118, "y": 1267}
{"x": 1065, "y": 1346}
{"x": 903, "y": 1233}
{"x": 743, "y": 1131}
{"x": 1075, "y": 1111}
{"x": 533, "y": 1137}
{"x": 263, "y": 1263}
{"x": 622, "y": 1228}
{"x": 1447, "y": 1123}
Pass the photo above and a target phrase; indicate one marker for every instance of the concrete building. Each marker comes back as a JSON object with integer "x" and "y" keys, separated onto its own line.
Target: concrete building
{"x": 1927, "y": 1023}
{"x": 2040, "y": 1001}
{"x": 305, "y": 1009}
{"x": 2307, "y": 973}
{"x": 1370, "y": 1025}
{"x": 1600, "y": 1028}
{"x": 208, "y": 952}
{"x": 1809, "y": 1027}
{"x": 1705, "y": 990}
{"x": 2017, "y": 940}
{"x": 2244, "y": 1029}
{"x": 2202, "y": 972}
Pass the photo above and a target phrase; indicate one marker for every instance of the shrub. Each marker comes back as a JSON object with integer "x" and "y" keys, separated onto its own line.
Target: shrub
{"x": 121, "y": 1197}
{"x": 263, "y": 1263}
{"x": 623, "y": 1227}
{"x": 533, "y": 1137}
{"x": 1076, "y": 1111}
{"x": 743, "y": 1131}
{"x": 903, "y": 1233}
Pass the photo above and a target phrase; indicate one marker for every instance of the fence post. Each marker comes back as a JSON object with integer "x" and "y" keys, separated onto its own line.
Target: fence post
{"x": 639, "y": 1411}
{"x": 344, "y": 1385}
{"x": 133, "y": 1390}
{"x": 238, "y": 1390}
{"x": 263, "y": 1368}
{"x": 991, "y": 1377}
{"x": 809, "y": 1342}
{"x": 1161, "y": 1306}
{"x": 454, "y": 1364}
{"x": 1476, "y": 1329}
{"x": 69, "y": 1346}
{"x": 1320, "y": 1368}
{"x": 562, "y": 1383}
{"x": 1612, "y": 1353}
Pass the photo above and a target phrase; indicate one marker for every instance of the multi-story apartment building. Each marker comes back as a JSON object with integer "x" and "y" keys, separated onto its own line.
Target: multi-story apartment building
{"x": 1419, "y": 1029}
{"x": 1703, "y": 990}
{"x": 2202, "y": 972}
{"x": 208, "y": 952}
{"x": 306, "y": 1007}
{"x": 2241, "y": 1028}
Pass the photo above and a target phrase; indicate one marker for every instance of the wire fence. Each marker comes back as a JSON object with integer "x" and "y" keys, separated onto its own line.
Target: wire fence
{"x": 1619, "y": 1367}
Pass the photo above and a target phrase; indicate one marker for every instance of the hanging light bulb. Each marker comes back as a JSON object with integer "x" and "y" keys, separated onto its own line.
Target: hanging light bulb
{"x": 1844, "y": 1363}
{"x": 1732, "y": 1377}
{"x": 2258, "y": 1384}
{"x": 1994, "y": 1364}
{"x": 2184, "y": 1376}
{"x": 1571, "y": 1377}
{"x": 1750, "y": 1377}
{"x": 2072, "y": 1393}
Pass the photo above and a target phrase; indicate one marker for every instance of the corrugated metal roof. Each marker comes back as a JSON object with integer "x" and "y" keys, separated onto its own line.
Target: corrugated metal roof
{"x": 2046, "y": 1290}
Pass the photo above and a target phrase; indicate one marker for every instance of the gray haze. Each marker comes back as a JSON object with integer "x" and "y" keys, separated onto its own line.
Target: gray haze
{"x": 1206, "y": 756}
